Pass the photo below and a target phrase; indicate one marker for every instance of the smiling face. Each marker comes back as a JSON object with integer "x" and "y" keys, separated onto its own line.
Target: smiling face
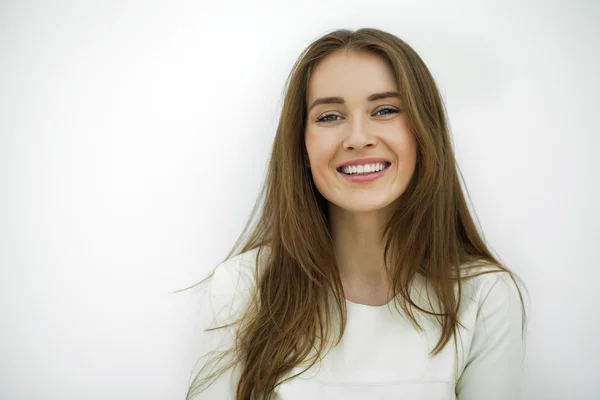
{"x": 363, "y": 126}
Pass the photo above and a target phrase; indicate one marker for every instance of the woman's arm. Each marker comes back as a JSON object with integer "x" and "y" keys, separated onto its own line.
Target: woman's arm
{"x": 218, "y": 308}
{"x": 493, "y": 368}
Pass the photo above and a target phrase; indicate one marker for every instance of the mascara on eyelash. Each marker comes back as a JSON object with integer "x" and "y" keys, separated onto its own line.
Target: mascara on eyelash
{"x": 322, "y": 117}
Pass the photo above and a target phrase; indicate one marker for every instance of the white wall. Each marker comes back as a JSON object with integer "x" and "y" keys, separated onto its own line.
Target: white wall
{"x": 134, "y": 139}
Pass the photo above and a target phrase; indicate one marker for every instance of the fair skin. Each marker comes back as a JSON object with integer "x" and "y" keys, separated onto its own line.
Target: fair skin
{"x": 337, "y": 133}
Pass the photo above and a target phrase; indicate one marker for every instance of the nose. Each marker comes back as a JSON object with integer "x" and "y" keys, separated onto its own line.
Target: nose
{"x": 358, "y": 136}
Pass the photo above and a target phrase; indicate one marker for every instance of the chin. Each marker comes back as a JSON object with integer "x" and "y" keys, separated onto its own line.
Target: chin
{"x": 362, "y": 206}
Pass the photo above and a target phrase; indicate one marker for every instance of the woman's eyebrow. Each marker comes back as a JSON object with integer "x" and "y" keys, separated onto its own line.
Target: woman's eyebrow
{"x": 340, "y": 100}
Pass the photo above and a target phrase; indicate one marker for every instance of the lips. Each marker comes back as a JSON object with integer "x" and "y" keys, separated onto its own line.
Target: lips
{"x": 361, "y": 178}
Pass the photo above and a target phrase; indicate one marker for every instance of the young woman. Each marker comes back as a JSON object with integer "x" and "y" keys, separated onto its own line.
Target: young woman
{"x": 364, "y": 276}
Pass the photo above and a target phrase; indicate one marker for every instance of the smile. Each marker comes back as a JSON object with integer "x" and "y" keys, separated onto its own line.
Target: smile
{"x": 364, "y": 173}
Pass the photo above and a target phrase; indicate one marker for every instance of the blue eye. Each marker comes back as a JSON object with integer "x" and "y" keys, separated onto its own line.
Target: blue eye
{"x": 323, "y": 118}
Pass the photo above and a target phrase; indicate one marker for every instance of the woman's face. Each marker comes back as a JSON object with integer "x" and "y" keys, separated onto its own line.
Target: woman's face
{"x": 354, "y": 127}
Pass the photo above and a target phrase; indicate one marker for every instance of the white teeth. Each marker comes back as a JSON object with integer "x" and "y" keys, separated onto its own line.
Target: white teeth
{"x": 363, "y": 169}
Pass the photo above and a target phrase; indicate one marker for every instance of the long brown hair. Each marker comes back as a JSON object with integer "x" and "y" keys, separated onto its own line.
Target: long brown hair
{"x": 290, "y": 315}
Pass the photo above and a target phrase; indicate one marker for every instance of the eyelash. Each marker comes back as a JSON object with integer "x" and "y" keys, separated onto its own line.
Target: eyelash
{"x": 322, "y": 117}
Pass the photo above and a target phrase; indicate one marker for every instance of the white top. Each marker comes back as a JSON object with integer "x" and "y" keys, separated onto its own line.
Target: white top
{"x": 382, "y": 355}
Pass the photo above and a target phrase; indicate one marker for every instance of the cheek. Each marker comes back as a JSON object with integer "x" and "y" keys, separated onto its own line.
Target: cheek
{"x": 401, "y": 145}
{"x": 320, "y": 151}
{"x": 405, "y": 143}
{"x": 408, "y": 146}
{"x": 408, "y": 154}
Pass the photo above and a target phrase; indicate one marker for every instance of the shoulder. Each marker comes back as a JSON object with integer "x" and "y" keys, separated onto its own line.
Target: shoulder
{"x": 234, "y": 280}
{"x": 493, "y": 299}
{"x": 487, "y": 283}
{"x": 233, "y": 273}
{"x": 485, "y": 291}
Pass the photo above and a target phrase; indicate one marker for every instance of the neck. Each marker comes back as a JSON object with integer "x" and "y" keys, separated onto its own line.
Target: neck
{"x": 359, "y": 248}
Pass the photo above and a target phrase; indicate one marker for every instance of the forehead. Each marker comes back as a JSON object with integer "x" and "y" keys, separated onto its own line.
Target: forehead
{"x": 351, "y": 74}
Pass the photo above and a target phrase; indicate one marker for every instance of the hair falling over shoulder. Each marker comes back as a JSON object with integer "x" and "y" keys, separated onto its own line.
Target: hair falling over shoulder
{"x": 299, "y": 294}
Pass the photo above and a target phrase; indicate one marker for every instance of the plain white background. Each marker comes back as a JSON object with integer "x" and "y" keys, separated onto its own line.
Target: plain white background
{"x": 134, "y": 138}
